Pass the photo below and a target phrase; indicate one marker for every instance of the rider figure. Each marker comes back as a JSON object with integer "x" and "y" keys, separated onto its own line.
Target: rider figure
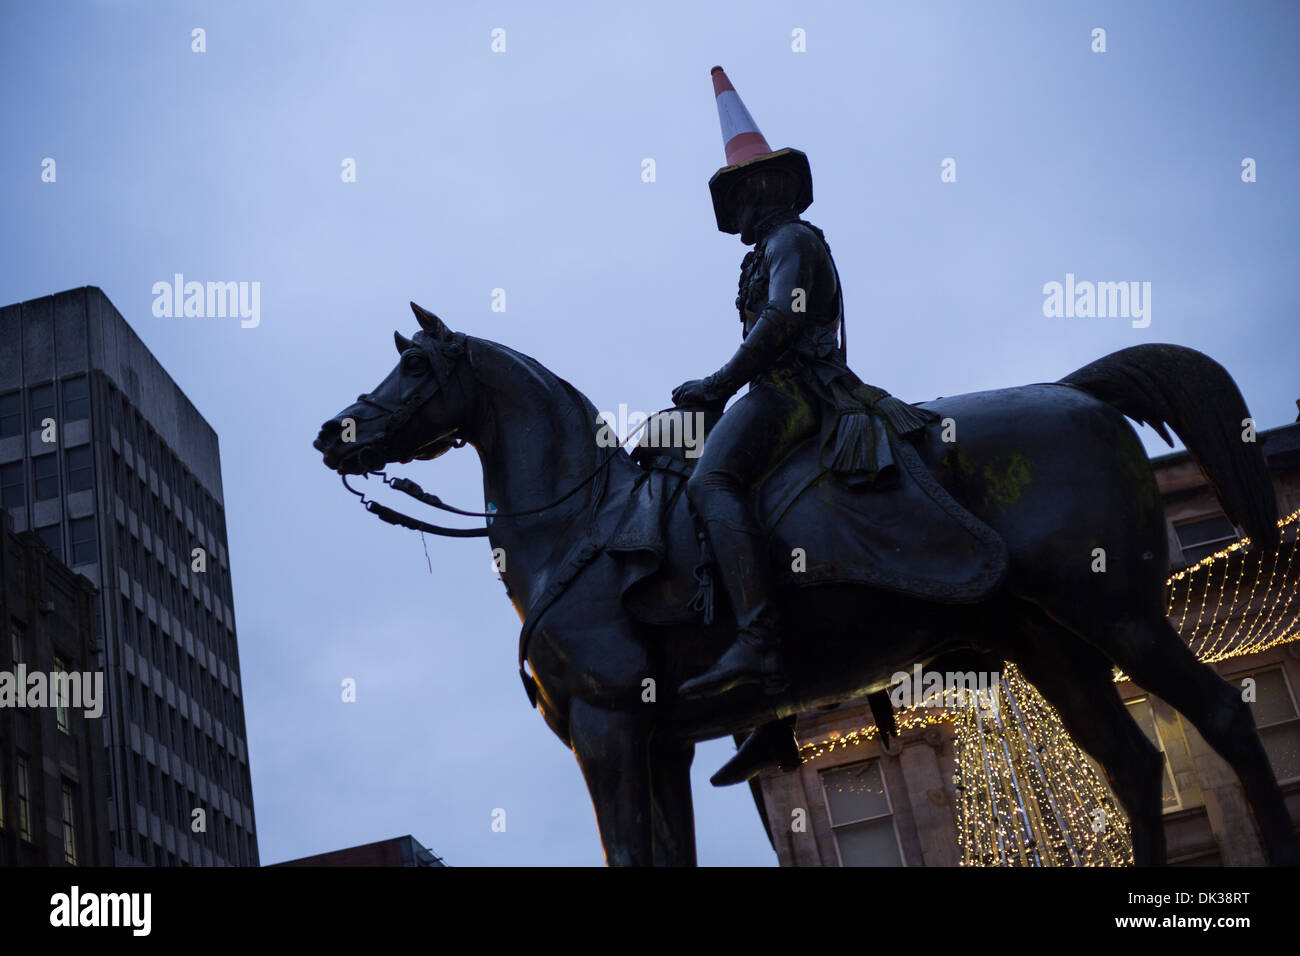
{"x": 790, "y": 305}
{"x": 800, "y": 386}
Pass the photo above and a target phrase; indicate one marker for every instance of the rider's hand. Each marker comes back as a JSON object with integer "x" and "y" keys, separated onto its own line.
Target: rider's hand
{"x": 699, "y": 391}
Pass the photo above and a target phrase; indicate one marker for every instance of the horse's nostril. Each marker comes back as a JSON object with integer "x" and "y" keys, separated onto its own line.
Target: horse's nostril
{"x": 328, "y": 433}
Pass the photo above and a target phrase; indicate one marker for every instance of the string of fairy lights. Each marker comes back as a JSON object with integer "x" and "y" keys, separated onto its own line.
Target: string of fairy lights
{"x": 1026, "y": 794}
{"x": 1263, "y": 590}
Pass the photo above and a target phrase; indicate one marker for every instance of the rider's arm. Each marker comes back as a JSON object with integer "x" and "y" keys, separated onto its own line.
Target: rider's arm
{"x": 789, "y": 269}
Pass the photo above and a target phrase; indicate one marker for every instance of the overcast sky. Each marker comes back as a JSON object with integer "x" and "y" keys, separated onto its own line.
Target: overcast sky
{"x": 522, "y": 170}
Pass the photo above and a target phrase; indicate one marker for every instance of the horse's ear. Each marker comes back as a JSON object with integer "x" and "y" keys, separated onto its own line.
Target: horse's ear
{"x": 430, "y": 322}
{"x": 403, "y": 343}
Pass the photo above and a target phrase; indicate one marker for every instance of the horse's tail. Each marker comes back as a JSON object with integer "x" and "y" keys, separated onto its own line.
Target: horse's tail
{"x": 1195, "y": 395}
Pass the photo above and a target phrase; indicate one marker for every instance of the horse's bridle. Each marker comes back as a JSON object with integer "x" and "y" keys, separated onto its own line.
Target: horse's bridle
{"x": 399, "y": 415}
{"x": 402, "y": 413}
{"x": 384, "y": 513}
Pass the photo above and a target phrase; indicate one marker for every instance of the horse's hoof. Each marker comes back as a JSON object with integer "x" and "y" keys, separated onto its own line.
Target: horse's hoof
{"x": 772, "y": 745}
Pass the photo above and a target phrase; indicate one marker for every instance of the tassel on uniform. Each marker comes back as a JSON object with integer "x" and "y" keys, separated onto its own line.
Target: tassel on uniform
{"x": 906, "y": 419}
{"x": 852, "y": 445}
{"x": 702, "y": 599}
{"x": 859, "y": 453}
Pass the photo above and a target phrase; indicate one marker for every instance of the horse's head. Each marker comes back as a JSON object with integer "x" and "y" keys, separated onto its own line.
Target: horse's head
{"x": 417, "y": 411}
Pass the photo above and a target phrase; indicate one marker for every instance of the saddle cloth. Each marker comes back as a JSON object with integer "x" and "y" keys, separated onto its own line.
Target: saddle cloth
{"x": 909, "y": 536}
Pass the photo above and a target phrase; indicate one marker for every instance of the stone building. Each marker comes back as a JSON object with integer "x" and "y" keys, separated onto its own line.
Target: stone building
{"x": 107, "y": 461}
{"x": 856, "y": 803}
{"x": 399, "y": 851}
{"x": 53, "y": 787}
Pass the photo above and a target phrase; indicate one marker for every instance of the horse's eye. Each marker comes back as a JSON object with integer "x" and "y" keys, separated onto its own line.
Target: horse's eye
{"x": 414, "y": 365}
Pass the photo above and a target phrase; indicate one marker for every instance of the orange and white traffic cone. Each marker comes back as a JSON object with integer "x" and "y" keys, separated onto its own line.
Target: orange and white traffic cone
{"x": 741, "y": 138}
{"x": 745, "y": 147}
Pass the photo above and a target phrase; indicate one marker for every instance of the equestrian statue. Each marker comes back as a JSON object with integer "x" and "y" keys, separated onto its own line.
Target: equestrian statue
{"x": 828, "y": 536}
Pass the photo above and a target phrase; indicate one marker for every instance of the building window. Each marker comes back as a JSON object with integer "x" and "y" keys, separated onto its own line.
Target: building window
{"x": 1202, "y": 538}
{"x": 52, "y": 535}
{"x": 69, "y": 824}
{"x": 81, "y": 473}
{"x": 42, "y": 405}
{"x": 862, "y": 817}
{"x": 15, "y": 643}
{"x": 85, "y": 543}
{"x": 128, "y": 618}
{"x": 1140, "y": 710}
{"x": 125, "y": 554}
{"x": 24, "y": 790}
{"x": 61, "y": 705}
{"x": 11, "y": 414}
{"x": 1276, "y": 719}
{"x": 13, "y": 493}
{"x": 45, "y": 477}
{"x": 76, "y": 398}
{"x": 162, "y": 723}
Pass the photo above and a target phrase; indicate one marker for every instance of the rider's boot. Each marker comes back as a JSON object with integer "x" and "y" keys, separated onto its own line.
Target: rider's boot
{"x": 755, "y": 656}
{"x": 773, "y": 744}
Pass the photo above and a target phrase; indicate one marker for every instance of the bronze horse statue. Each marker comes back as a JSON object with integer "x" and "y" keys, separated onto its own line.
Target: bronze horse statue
{"x": 605, "y": 680}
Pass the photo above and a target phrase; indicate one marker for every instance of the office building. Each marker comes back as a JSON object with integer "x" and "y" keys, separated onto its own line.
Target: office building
{"x": 107, "y": 461}
{"x": 53, "y": 776}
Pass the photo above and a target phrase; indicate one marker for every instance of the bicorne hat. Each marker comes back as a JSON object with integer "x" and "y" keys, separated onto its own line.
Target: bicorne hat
{"x": 746, "y": 149}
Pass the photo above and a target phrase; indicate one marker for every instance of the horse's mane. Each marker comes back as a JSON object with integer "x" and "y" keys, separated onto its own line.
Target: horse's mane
{"x": 544, "y": 379}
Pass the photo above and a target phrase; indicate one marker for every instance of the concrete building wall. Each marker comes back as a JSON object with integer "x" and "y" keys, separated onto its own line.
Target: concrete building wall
{"x": 53, "y": 779}
{"x": 175, "y": 732}
{"x": 78, "y": 330}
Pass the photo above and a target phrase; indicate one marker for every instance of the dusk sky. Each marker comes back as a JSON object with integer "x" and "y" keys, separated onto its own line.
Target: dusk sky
{"x": 522, "y": 170}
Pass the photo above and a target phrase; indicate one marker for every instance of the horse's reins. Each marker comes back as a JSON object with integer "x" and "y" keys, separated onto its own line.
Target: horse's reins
{"x": 409, "y": 487}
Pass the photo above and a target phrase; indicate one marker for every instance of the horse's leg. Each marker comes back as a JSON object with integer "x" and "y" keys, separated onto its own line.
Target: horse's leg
{"x": 1151, "y": 652}
{"x": 612, "y": 750}
{"x": 1076, "y": 679}
{"x": 673, "y": 816}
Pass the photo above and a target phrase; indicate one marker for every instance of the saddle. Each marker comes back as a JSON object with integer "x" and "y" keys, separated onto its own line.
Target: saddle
{"x": 903, "y": 532}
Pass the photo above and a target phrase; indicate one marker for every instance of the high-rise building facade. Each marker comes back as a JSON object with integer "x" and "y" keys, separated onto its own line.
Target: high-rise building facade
{"x": 104, "y": 457}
